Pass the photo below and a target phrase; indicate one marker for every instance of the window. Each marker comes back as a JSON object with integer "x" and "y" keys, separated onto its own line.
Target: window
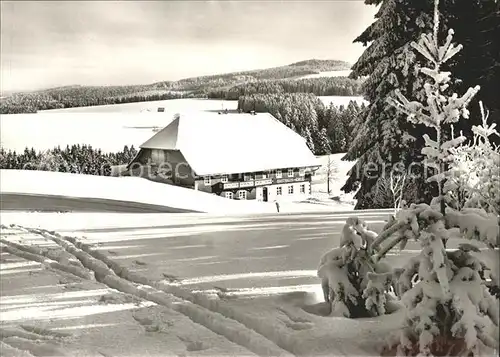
{"x": 207, "y": 181}
{"x": 224, "y": 179}
{"x": 247, "y": 177}
{"x": 302, "y": 172}
{"x": 302, "y": 188}
{"x": 279, "y": 191}
{"x": 290, "y": 190}
{"x": 279, "y": 174}
{"x": 158, "y": 156}
{"x": 290, "y": 172}
{"x": 242, "y": 195}
{"x": 264, "y": 175}
{"x": 229, "y": 195}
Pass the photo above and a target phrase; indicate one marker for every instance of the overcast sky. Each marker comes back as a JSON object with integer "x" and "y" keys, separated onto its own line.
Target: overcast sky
{"x": 52, "y": 43}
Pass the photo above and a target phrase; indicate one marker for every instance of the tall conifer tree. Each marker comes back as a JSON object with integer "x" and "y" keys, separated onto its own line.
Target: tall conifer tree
{"x": 383, "y": 136}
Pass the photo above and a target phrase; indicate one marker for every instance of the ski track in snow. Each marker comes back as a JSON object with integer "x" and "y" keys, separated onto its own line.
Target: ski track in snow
{"x": 72, "y": 256}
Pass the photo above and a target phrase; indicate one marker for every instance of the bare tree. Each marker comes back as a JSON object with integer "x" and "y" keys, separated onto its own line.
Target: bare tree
{"x": 389, "y": 191}
{"x": 330, "y": 169}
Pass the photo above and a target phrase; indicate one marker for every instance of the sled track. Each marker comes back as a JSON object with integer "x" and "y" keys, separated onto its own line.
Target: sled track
{"x": 88, "y": 263}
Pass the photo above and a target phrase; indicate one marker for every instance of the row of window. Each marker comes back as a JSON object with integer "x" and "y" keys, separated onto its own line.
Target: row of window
{"x": 242, "y": 195}
{"x": 246, "y": 177}
{"x": 279, "y": 190}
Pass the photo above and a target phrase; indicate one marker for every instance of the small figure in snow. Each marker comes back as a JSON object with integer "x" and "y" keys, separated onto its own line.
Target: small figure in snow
{"x": 277, "y": 206}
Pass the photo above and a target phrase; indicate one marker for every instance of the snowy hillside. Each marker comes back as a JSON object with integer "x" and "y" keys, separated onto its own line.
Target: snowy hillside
{"x": 166, "y": 314}
{"x": 108, "y": 127}
{"x": 343, "y": 73}
{"x": 184, "y": 283}
{"x": 339, "y": 100}
{"x": 131, "y": 189}
{"x": 171, "y": 106}
{"x": 332, "y": 166}
{"x": 109, "y": 131}
{"x": 144, "y": 192}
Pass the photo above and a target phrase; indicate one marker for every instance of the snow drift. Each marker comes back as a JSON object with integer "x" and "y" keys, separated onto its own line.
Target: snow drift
{"x": 128, "y": 189}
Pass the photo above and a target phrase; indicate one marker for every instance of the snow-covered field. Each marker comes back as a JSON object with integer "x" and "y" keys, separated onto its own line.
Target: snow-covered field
{"x": 130, "y": 189}
{"x": 171, "y": 106}
{"x": 109, "y": 127}
{"x": 180, "y": 285}
{"x": 46, "y": 184}
{"x": 185, "y": 284}
{"x": 109, "y": 132}
{"x": 138, "y": 190}
{"x": 338, "y": 171}
{"x": 338, "y": 101}
{"x": 344, "y": 73}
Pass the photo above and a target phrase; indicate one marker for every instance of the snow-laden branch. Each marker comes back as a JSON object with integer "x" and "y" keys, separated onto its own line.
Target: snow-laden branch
{"x": 445, "y": 293}
{"x": 353, "y": 282}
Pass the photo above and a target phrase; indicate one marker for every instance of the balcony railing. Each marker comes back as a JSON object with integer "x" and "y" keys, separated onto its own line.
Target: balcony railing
{"x": 261, "y": 182}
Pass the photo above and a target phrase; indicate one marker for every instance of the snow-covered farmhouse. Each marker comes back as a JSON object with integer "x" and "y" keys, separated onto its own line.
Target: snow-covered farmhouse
{"x": 234, "y": 155}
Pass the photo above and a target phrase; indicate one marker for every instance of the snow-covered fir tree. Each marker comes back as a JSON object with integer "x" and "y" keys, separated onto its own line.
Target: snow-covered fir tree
{"x": 475, "y": 171}
{"x": 449, "y": 308}
{"x": 383, "y": 135}
{"x": 354, "y": 284}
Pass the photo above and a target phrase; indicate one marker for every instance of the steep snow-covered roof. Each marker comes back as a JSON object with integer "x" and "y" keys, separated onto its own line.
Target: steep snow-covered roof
{"x": 164, "y": 139}
{"x": 215, "y": 143}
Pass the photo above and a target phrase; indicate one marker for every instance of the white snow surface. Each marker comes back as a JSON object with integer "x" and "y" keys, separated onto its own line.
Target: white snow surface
{"x": 108, "y": 131}
{"x": 171, "y": 106}
{"x": 338, "y": 173}
{"x": 274, "y": 311}
{"x": 224, "y": 277}
{"x": 132, "y": 189}
{"x": 108, "y": 127}
{"x": 343, "y": 73}
{"x": 232, "y": 143}
{"x": 342, "y": 100}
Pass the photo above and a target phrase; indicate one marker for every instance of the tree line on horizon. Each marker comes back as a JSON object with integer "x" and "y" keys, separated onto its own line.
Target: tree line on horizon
{"x": 216, "y": 86}
{"x": 21, "y": 103}
{"x": 78, "y": 159}
{"x": 322, "y": 86}
{"x": 79, "y": 96}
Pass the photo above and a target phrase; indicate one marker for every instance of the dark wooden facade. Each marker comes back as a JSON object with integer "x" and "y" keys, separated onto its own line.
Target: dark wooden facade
{"x": 264, "y": 186}
{"x": 170, "y": 166}
{"x": 167, "y": 166}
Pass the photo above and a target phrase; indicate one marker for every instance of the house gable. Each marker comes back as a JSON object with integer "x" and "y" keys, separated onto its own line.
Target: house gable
{"x": 164, "y": 139}
{"x": 216, "y": 144}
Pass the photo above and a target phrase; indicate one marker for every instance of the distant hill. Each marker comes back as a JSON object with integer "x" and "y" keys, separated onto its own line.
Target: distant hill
{"x": 323, "y": 65}
{"x": 293, "y": 70}
{"x": 195, "y": 87}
